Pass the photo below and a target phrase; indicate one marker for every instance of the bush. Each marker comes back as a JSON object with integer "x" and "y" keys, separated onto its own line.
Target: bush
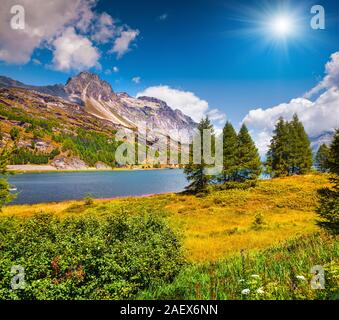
{"x": 87, "y": 257}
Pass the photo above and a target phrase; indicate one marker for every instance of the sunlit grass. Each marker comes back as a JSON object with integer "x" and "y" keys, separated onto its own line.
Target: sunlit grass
{"x": 221, "y": 223}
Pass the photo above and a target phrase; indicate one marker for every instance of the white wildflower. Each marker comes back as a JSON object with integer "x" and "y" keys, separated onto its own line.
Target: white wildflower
{"x": 246, "y": 291}
{"x": 301, "y": 278}
{"x": 260, "y": 291}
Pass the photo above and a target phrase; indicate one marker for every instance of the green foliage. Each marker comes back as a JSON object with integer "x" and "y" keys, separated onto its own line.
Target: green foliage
{"x": 278, "y": 273}
{"x": 15, "y": 133}
{"x": 92, "y": 147}
{"x": 196, "y": 173}
{"x": 249, "y": 164}
{"x": 230, "y": 153}
{"x": 322, "y": 158}
{"x": 89, "y": 199}
{"x": 86, "y": 257}
{"x": 329, "y": 197}
{"x": 289, "y": 152}
{"x": 5, "y": 195}
{"x": 17, "y": 114}
{"x": 27, "y": 156}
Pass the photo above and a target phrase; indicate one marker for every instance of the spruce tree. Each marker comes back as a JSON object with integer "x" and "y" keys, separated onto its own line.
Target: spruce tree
{"x": 230, "y": 153}
{"x": 249, "y": 164}
{"x": 329, "y": 197}
{"x": 278, "y": 153}
{"x": 196, "y": 173}
{"x": 322, "y": 158}
{"x": 289, "y": 152}
{"x": 300, "y": 156}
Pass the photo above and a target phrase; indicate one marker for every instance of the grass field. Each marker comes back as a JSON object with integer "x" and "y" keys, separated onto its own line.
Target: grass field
{"x": 220, "y": 224}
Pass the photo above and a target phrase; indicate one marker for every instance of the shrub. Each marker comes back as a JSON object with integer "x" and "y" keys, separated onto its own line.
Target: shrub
{"x": 87, "y": 257}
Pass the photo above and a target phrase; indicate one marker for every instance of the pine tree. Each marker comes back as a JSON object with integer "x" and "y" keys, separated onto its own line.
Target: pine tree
{"x": 277, "y": 156}
{"x": 230, "y": 153}
{"x": 329, "y": 197}
{"x": 289, "y": 152}
{"x": 322, "y": 158}
{"x": 300, "y": 156}
{"x": 5, "y": 195}
{"x": 249, "y": 164}
{"x": 196, "y": 172}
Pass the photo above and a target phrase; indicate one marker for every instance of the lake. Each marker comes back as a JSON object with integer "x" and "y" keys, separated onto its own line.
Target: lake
{"x": 59, "y": 186}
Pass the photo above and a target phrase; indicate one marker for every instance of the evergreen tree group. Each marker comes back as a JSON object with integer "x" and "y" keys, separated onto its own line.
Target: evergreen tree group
{"x": 322, "y": 158}
{"x": 329, "y": 197}
{"x": 241, "y": 159}
{"x": 196, "y": 173}
{"x": 289, "y": 152}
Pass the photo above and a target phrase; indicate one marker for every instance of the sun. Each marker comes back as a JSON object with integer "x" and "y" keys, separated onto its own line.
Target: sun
{"x": 282, "y": 26}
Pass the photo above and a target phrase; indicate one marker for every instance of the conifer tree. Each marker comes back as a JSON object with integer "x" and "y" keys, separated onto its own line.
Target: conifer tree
{"x": 322, "y": 158}
{"x": 300, "y": 156}
{"x": 5, "y": 195}
{"x": 230, "y": 153}
{"x": 289, "y": 152}
{"x": 249, "y": 164}
{"x": 329, "y": 197}
{"x": 196, "y": 172}
{"x": 277, "y": 156}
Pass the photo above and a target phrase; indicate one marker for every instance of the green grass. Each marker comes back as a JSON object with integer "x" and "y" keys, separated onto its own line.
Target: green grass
{"x": 272, "y": 274}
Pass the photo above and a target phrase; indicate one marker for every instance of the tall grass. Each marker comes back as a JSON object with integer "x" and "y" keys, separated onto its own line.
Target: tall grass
{"x": 281, "y": 272}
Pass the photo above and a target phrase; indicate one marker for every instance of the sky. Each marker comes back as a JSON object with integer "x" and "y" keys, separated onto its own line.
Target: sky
{"x": 242, "y": 61}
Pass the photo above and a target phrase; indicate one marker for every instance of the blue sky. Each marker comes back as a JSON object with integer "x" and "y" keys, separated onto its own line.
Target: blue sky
{"x": 216, "y": 49}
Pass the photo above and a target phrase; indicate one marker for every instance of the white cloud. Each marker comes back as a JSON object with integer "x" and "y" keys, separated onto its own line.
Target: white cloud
{"x": 136, "y": 80}
{"x": 105, "y": 29}
{"x": 318, "y": 116}
{"x": 123, "y": 42}
{"x": 73, "y": 51}
{"x": 48, "y": 21}
{"x": 36, "y": 62}
{"x": 331, "y": 79}
{"x": 185, "y": 101}
{"x": 163, "y": 17}
{"x": 115, "y": 69}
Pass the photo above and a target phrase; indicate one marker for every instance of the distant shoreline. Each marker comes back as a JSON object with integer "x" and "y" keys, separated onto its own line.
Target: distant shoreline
{"x": 31, "y": 168}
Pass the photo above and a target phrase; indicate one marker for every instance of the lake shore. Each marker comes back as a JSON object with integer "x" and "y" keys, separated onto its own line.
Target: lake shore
{"x": 32, "y": 168}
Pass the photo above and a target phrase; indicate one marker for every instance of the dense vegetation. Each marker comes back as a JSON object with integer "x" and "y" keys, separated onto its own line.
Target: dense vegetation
{"x": 289, "y": 152}
{"x": 92, "y": 147}
{"x": 86, "y": 257}
{"x": 241, "y": 161}
{"x": 329, "y": 197}
{"x": 281, "y": 272}
{"x": 28, "y": 156}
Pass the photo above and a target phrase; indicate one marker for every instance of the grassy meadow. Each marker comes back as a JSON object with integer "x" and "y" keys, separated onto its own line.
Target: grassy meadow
{"x": 227, "y": 236}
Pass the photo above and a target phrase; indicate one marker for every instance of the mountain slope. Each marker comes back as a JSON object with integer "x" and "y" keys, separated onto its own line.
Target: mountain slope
{"x": 97, "y": 98}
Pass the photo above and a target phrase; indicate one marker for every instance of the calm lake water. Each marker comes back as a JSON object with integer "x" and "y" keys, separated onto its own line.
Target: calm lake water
{"x": 59, "y": 186}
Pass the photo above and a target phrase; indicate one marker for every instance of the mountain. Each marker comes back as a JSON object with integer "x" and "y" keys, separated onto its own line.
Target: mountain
{"x": 324, "y": 138}
{"x": 98, "y": 98}
{"x": 73, "y": 126}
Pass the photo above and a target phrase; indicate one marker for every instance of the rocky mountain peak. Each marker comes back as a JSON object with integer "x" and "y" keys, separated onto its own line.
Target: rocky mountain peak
{"x": 89, "y": 85}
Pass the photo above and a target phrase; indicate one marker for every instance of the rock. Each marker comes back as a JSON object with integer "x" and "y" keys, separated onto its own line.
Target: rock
{"x": 73, "y": 163}
{"x": 102, "y": 166}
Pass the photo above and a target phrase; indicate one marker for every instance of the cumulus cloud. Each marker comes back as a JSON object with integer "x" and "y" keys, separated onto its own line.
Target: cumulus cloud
{"x": 115, "y": 69}
{"x": 123, "y": 42}
{"x": 318, "y": 116}
{"x": 331, "y": 79}
{"x": 73, "y": 51}
{"x": 136, "y": 80}
{"x": 185, "y": 101}
{"x": 48, "y": 21}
